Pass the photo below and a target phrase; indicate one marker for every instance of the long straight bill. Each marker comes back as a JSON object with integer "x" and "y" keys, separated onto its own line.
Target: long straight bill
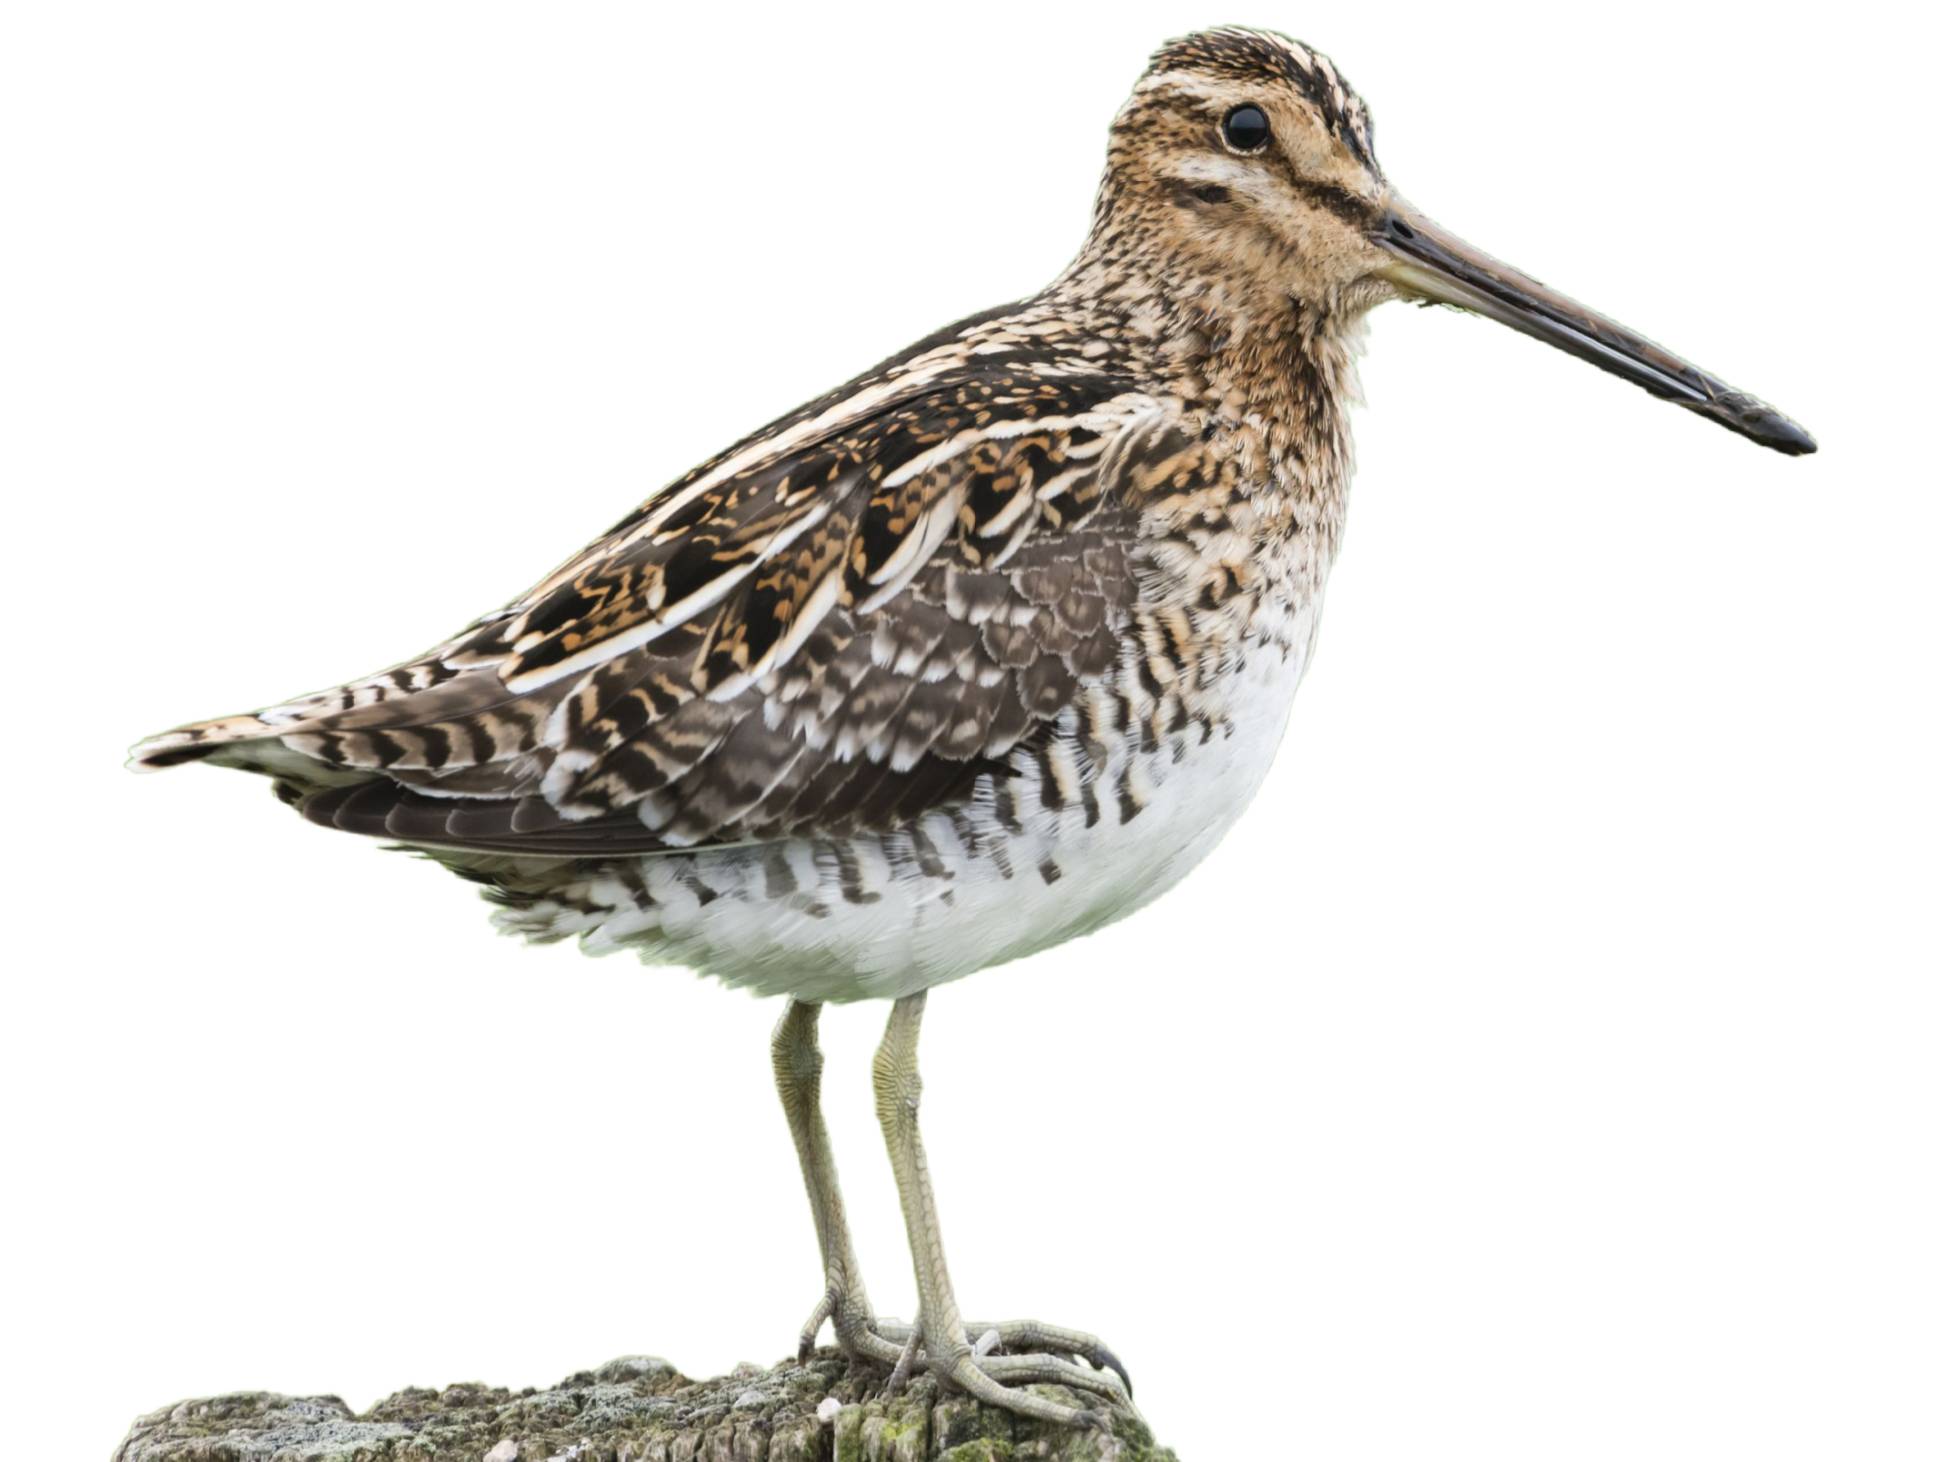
{"x": 1435, "y": 265}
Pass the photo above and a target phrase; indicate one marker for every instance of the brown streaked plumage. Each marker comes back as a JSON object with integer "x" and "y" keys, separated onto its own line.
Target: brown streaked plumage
{"x": 978, "y": 652}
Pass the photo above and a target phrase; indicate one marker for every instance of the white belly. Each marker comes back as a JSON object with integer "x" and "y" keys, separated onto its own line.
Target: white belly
{"x": 884, "y": 916}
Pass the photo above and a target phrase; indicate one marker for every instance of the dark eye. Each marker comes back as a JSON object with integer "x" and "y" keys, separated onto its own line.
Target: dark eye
{"x": 1246, "y": 129}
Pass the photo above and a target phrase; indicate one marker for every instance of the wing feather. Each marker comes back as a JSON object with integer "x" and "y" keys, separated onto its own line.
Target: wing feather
{"x": 829, "y": 627}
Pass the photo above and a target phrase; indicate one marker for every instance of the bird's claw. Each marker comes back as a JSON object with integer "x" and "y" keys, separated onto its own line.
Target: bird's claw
{"x": 1000, "y": 1381}
{"x": 1032, "y": 1337}
{"x": 809, "y": 1331}
{"x": 997, "y": 1360}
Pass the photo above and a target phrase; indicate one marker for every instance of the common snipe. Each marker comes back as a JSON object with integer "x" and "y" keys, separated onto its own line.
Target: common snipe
{"x": 978, "y": 652}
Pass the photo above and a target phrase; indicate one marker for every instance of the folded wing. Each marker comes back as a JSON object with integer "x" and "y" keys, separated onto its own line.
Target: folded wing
{"x": 834, "y": 626}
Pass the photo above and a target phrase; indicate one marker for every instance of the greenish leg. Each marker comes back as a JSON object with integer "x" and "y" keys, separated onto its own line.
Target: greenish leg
{"x": 943, "y": 1335}
{"x": 797, "y": 1064}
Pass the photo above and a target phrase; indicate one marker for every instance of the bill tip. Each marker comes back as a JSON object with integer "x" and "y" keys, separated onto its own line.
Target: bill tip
{"x": 1789, "y": 436}
{"x": 1758, "y": 422}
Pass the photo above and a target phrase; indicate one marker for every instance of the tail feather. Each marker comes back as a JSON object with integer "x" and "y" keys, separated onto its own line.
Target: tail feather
{"x": 417, "y": 722}
{"x": 199, "y": 741}
{"x": 454, "y": 679}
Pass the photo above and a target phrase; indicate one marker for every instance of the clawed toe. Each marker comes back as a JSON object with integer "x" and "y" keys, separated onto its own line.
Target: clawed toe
{"x": 1031, "y": 1370}
{"x": 1033, "y": 1337}
{"x": 809, "y": 1331}
{"x": 996, "y": 1381}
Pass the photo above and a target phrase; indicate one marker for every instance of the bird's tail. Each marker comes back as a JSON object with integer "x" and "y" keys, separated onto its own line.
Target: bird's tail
{"x": 200, "y": 740}
{"x": 253, "y": 743}
{"x": 422, "y": 722}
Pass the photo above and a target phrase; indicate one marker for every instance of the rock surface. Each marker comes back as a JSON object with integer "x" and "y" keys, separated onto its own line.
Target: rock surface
{"x": 637, "y": 1409}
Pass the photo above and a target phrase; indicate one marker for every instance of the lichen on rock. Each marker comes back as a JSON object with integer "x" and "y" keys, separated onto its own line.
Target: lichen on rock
{"x": 636, "y": 1409}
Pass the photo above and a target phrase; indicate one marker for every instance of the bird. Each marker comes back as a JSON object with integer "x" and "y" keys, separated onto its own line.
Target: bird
{"x": 976, "y": 653}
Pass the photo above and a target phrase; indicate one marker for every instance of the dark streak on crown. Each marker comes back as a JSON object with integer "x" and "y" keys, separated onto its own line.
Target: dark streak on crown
{"x": 1262, "y": 56}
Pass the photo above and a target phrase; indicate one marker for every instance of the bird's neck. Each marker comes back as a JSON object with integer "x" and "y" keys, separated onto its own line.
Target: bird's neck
{"x": 1268, "y": 377}
{"x": 1232, "y": 348}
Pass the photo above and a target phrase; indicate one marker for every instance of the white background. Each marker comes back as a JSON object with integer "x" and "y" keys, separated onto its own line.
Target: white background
{"x": 1552, "y": 1063}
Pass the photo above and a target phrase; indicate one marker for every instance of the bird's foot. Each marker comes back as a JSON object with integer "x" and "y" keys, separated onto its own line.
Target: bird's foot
{"x": 860, "y": 1334}
{"x": 992, "y": 1363}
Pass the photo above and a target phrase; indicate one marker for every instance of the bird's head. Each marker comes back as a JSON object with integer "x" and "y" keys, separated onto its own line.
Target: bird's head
{"x": 1243, "y": 170}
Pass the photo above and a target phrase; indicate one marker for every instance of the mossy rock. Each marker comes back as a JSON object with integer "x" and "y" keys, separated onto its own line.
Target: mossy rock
{"x": 637, "y": 1409}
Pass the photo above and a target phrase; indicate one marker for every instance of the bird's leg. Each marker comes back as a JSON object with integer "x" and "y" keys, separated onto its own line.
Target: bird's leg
{"x": 948, "y": 1353}
{"x": 797, "y": 1063}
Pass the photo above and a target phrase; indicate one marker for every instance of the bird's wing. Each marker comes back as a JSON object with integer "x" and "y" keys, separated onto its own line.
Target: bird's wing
{"x": 836, "y": 624}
